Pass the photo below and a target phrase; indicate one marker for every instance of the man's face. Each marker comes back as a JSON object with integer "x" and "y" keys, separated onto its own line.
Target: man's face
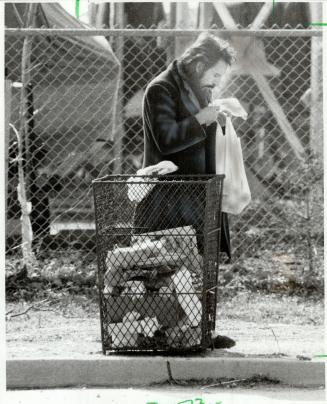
{"x": 211, "y": 77}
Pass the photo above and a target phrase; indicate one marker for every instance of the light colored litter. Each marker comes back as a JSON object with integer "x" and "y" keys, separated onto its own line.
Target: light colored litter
{"x": 186, "y": 296}
{"x": 114, "y": 276}
{"x": 183, "y": 336}
{"x": 125, "y": 257}
{"x": 182, "y": 250}
{"x": 148, "y": 326}
{"x": 131, "y": 316}
{"x": 121, "y": 336}
{"x": 139, "y": 188}
{"x": 169, "y": 265}
{"x": 125, "y": 334}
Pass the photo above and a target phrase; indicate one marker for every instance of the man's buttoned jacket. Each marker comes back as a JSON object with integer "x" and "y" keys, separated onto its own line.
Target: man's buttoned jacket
{"x": 171, "y": 131}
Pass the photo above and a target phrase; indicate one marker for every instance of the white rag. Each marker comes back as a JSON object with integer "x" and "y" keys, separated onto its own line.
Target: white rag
{"x": 138, "y": 189}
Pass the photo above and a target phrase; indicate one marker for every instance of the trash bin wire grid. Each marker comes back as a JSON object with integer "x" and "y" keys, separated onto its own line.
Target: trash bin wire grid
{"x": 212, "y": 244}
{"x": 115, "y": 219}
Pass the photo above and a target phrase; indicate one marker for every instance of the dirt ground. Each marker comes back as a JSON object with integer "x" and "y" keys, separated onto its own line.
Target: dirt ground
{"x": 262, "y": 325}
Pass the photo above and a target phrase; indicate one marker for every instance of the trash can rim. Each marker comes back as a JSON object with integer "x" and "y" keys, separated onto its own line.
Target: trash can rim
{"x": 202, "y": 178}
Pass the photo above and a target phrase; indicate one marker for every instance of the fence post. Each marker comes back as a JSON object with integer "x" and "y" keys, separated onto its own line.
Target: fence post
{"x": 316, "y": 129}
{"x": 7, "y": 132}
{"x": 119, "y": 127}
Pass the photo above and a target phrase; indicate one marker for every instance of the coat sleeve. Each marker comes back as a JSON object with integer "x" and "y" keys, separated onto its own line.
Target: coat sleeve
{"x": 169, "y": 135}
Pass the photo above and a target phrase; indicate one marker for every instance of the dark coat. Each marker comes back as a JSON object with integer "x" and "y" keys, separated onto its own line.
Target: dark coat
{"x": 171, "y": 132}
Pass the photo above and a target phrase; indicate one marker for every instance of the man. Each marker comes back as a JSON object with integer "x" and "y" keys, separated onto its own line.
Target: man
{"x": 180, "y": 126}
{"x": 178, "y": 123}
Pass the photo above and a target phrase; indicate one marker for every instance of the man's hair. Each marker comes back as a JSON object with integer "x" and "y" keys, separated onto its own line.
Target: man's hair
{"x": 207, "y": 49}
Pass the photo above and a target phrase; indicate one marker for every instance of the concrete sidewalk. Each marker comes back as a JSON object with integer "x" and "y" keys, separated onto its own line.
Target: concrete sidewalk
{"x": 113, "y": 371}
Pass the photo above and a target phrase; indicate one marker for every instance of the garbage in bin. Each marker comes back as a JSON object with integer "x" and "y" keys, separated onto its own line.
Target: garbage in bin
{"x": 186, "y": 296}
{"x": 136, "y": 263}
{"x": 154, "y": 283}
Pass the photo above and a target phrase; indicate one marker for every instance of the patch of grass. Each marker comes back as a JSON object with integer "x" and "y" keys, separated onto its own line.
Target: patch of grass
{"x": 274, "y": 273}
{"x": 224, "y": 382}
{"x": 60, "y": 273}
{"x": 261, "y": 307}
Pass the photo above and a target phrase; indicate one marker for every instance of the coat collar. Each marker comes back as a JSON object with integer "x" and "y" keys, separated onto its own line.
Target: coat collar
{"x": 190, "y": 101}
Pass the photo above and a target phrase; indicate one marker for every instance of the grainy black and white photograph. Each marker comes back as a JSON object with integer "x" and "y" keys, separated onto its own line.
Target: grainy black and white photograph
{"x": 164, "y": 202}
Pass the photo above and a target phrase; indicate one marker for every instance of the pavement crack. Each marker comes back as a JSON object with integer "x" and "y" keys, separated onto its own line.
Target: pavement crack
{"x": 171, "y": 380}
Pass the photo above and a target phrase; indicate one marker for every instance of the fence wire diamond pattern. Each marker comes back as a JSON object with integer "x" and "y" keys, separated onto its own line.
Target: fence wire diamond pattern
{"x": 84, "y": 117}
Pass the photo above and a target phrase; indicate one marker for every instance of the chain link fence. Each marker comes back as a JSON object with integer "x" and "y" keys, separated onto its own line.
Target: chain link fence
{"x": 84, "y": 120}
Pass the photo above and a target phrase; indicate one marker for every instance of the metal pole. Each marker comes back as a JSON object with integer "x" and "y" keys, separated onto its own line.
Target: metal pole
{"x": 316, "y": 122}
{"x": 117, "y": 32}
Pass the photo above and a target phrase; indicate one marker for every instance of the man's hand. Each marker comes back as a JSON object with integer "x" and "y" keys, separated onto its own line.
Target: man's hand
{"x": 211, "y": 114}
{"x": 207, "y": 115}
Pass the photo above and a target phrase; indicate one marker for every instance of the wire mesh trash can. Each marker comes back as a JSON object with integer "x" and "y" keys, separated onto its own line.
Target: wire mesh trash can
{"x": 158, "y": 244}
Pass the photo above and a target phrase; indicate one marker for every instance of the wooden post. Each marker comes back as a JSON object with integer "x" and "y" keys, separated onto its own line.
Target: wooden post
{"x": 225, "y": 16}
{"x": 103, "y": 16}
{"x": 171, "y": 40}
{"x": 262, "y": 16}
{"x": 262, "y": 82}
{"x": 92, "y": 12}
{"x": 24, "y": 115}
{"x": 206, "y": 10}
{"x": 278, "y": 113}
{"x": 316, "y": 121}
{"x": 182, "y": 21}
{"x": 118, "y": 131}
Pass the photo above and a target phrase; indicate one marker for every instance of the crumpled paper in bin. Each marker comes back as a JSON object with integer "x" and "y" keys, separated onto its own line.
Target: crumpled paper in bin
{"x": 127, "y": 257}
{"x": 183, "y": 337}
{"x": 186, "y": 296}
{"x": 125, "y": 334}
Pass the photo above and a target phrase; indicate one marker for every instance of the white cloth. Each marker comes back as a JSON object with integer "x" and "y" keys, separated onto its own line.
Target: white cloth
{"x": 138, "y": 189}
